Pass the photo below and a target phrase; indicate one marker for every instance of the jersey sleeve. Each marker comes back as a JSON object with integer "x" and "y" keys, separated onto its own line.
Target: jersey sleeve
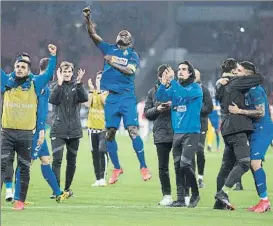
{"x": 133, "y": 62}
{"x": 164, "y": 94}
{"x": 4, "y": 80}
{"x": 42, "y": 111}
{"x": 257, "y": 97}
{"x": 41, "y": 80}
{"x": 104, "y": 47}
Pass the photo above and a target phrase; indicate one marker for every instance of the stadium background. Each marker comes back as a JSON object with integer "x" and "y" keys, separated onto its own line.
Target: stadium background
{"x": 204, "y": 33}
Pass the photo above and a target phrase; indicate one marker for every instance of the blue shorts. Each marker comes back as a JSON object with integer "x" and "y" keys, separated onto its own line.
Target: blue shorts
{"x": 120, "y": 105}
{"x": 259, "y": 142}
{"x": 43, "y": 149}
{"x": 215, "y": 122}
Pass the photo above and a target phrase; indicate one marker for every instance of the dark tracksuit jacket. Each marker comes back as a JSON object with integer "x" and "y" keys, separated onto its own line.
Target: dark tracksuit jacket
{"x": 66, "y": 100}
{"x": 66, "y": 126}
{"x": 234, "y": 92}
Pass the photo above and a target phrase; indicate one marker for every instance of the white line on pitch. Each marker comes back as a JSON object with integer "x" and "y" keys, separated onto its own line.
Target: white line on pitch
{"x": 60, "y": 206}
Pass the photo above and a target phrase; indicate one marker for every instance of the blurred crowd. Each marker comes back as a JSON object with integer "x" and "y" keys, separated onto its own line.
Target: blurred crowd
{"x": 253, "y": 43}
{"x": 39, "y": 23}
{"x": 61, "y": 23}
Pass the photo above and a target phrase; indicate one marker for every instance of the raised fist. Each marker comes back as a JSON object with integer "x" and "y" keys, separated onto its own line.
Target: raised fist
{"x": 52, "y": 49}
{"x": 86, "y": 11}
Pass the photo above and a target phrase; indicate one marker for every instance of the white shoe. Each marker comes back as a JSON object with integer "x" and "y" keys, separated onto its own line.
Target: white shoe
{"x": 167, "y": 200}
{"x": 102, "y": 182}
{"x": 9, "y": 195}
{"x": 187, "y": 200}
{"x": 96, "y": 184}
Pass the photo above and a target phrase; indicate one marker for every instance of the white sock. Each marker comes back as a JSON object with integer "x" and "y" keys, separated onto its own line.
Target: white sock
{"x": 200, "y": 177}
{"x": 8, "y": 190}
{"x": 265, "y": 198}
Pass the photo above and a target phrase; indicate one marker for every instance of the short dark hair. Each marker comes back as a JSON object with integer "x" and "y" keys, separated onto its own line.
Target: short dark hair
{"x": 65, "y": 65}
{"x": 249, "y": 66}
{"x": 23, "y": 54}
{"x": 20, "y": 59}
{"x": 190, "y": 67}
{"x": 43, "y": 63}
{"x": 161, "y": 69}
{"x": 228, "y": 65}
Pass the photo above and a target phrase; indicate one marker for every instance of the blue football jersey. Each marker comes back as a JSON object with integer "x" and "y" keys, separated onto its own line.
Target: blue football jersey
{"x": 215, "y": 114}
{"x": 112, "y": 79}
{"x": 256, "y": 96}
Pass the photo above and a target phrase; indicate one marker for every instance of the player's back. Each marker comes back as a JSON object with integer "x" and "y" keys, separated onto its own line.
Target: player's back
{"x": 256, "y": 96}
{"x": 113, "y": 79}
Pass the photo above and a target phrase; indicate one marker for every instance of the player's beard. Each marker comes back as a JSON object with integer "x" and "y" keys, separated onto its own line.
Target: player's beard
{"x": 185, "y": 82}
{"x": 122, "y": 43}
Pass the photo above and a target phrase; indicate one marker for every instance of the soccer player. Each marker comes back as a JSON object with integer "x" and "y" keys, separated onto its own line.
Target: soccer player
{"x": 20, "y": 92}
{"x": 39, "y": 144}
{"x": 97, "y": 131}
{"x": 257, "y": 109}
{"x": 120, "y": 65}
{"x": 160, "y": 114}
{"x": 186, "y": 97}
{"x": 207, "y": 108}
{"x": 67, "y": 96}
{"x": 235, "y": 129}
{"x": 215, "y": 120}
{"x": 9, "y": 170}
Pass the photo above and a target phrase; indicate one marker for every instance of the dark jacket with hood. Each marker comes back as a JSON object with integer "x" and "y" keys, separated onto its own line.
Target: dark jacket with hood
{"x": 234, "y": 92}
{"x": 66, "y": 100}
{"x": 162, "y": 129}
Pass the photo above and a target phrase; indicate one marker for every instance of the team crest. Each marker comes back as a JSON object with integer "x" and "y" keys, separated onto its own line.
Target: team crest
{"x": 125, "y": 53}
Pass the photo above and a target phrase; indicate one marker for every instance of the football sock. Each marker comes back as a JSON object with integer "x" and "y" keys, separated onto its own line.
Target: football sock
{"x": 51, "y": 179}
{"x": 260, "y": 180}
{"x": 139, "y": 149}
{"x": 112, "y": 149}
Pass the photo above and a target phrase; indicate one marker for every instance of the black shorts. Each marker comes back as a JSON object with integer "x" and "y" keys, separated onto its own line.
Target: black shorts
{"x": 185, "y": 147}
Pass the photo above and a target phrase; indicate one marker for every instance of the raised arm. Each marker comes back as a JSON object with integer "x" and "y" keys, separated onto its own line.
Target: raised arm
{"x": 42, "y": 80}
{"x": 82, "y": 96}
{"x": 4, "y": 79}
{"x": 91, "y": 26}
{"x": 164, "y": 94}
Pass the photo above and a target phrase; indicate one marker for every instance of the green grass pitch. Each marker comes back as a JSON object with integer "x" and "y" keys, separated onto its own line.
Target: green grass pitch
{"x": 132, "y": 201}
